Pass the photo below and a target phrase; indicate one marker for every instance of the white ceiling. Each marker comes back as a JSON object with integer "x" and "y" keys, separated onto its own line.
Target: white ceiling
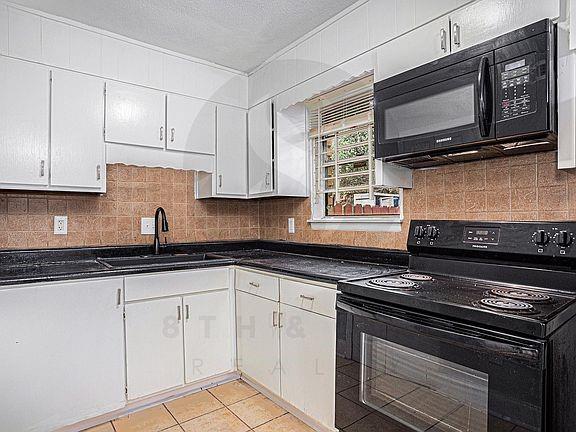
{"x": 240, "y": 34}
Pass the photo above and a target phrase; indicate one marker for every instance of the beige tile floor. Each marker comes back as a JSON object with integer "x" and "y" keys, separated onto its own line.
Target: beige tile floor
{"x": 231, "y": 407}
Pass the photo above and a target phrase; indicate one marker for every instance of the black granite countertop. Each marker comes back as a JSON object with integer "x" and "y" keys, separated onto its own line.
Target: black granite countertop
{"x": 324, "y": 263}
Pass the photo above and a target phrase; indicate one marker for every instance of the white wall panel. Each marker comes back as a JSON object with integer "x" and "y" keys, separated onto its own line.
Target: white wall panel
{"x": 313, "y": 55}
{"x": 329, "y": 55}
{"x": 405, "y": 15}
{"x": 426, "y": 10}
{"x": 174, "y": 73}
{"x": 3, "y": 29}
{"x": 381, "y": 21}
{"x": 85, "y": 51}
{"x": 353, "y": 37}
{"x": 55, "y": 43}
{"x": 110, "y": 56}
{"x": 24, "y": 35}
{"x": 156, "y": 69}
{"x": 133, "y": 63}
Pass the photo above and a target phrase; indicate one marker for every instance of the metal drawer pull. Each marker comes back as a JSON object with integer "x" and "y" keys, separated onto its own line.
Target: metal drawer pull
{"x": 172, "y": 132}
{"x": 161, "y": 133}
{"x": 457, "y": 39}
{"x": 280, "y": 320}
{"x": 179, "y": 314}
{"x": 187, "y": 312}
{"x": 98, "y": 174}
{"x": 220, "y": 180}
{"x": 302, "y": 296}
{"x": 254, "y": 284}
{"x": 274, "y": 321}
{"x": 42, "y": 163}
{"x": 267, "y": 179}
{"x": 119, "y": 297}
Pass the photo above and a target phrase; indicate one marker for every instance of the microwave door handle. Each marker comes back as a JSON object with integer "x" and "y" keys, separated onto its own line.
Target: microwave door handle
{"x": 484, "y": 90}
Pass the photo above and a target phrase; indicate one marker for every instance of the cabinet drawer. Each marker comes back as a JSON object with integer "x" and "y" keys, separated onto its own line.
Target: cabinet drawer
{"x": 310, "y": 297}
{"x": 175, "y": 283}
{"x": 258, "y": 284}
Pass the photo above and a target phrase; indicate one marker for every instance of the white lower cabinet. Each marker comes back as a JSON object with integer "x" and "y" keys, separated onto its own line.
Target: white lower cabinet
{"x": 308, "y": 346}
{"x": 178, "y": 329}
{"x": 207, "y": 335}
{"x": 258, "y": 339}
{"x": 62, "y": 355}
{"x": 154, "y": 355}
{"x": 289, "y": 347}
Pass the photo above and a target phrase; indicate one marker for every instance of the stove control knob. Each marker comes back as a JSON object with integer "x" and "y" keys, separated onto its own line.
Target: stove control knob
{"x": 419, "y": 232}
{"x": 563, "y": 238}
{"x": 541, "y": 238}
{"x": 432, "y": 232}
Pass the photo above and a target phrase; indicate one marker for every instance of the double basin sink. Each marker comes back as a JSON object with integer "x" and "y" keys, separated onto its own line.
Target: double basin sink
{"x": 154, "y": 260}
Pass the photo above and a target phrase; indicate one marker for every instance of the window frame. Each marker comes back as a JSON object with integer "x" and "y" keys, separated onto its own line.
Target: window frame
{"x": 319, "y": 219}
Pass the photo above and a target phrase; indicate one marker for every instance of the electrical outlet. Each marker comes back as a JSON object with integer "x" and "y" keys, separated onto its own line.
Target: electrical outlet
{"x": 147, "y": 226}
{"x": 291, "y": 226}
{"x": 61, "y": 225}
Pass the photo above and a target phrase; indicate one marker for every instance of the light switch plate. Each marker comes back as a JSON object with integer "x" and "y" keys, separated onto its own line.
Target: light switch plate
{"x": 147, "y": 226}
{"x": 291, "y": 226}
{"x": 61, "y": 225}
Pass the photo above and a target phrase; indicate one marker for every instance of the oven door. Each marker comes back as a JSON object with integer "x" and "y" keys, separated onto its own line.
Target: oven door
{"x": 450, "y": 107}
{"x": 401, "y": 371}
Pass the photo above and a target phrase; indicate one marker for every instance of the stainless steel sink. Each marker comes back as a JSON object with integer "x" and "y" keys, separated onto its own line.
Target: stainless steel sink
{"x": 153, "y": 260}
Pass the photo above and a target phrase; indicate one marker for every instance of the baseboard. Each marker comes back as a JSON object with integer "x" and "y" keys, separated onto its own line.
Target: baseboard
{"x": 314, "y": 424}
{"x": 149, "y": 401}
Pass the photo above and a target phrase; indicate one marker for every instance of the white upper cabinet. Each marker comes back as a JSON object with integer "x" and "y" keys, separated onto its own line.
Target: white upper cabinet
{"x": 77, "y": 143}
{"x": 55, "y": 43}
{"x": 260, "y": 149}
{"x": 191, "y": 125}
{"x": 24, "y": 35}
{"x": 4, "y": 26}
{"x": 135, "y": 115}
{"x": 488, "y": 19}
{"x": 353, "y": 35}
{"x": 418, "y": 47}
{"x": 231, "y": 169}
{"x": 85, "y": 51}
{"x": 24, "y": 123}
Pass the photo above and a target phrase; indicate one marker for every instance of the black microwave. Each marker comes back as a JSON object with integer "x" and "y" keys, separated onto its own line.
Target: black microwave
{"x": 493, "y": 99}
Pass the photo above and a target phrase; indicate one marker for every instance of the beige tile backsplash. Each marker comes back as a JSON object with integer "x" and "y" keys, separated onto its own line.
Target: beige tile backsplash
{"x": 527, "y": 187}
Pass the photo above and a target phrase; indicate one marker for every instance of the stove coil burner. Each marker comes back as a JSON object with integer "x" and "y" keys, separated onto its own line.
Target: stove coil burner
{"x": 417, "y": 277}
{"x": 527, "y": 296}
{"x": 507, "y": 305}
{"x": 393, "y": 284}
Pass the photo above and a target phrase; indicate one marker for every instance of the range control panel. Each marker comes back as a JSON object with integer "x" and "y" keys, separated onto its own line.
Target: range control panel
{"x": 550, "y": 239}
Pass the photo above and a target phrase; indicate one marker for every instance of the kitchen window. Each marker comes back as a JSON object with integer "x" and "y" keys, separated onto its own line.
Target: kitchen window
{"x": 341, "y": 134}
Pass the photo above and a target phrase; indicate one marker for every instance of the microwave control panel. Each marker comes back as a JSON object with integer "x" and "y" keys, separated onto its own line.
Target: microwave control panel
{"x": 516, "y": 89}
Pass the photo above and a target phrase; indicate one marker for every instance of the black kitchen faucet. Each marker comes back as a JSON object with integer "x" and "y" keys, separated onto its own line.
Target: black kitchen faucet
{"x": 159, "y": 211}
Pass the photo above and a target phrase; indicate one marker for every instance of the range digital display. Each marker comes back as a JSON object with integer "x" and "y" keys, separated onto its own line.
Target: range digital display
{"x": 481, "y": 235}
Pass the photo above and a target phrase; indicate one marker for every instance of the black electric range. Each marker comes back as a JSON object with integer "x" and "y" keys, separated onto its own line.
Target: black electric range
{"x": 478, "y": 335}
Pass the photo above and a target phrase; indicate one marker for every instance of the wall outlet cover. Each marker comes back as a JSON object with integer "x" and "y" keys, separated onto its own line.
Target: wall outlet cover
{"x": 61, "y": 225}
{"x": 147, "y": 226}
{"x": 291, "y": 226}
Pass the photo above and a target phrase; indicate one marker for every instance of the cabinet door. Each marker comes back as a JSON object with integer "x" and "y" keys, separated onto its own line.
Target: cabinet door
{"x": 135, "y": 115}
{"x": 77, "y": 152}
{"x": 62, "y": 353}
{"x": 191, "y": 125}
{"x": 258, "y": 339}
{"x": 308, "y": 347}
{"x": 420, "y": 46}
{"x": 260, "y": 149}
{"x": 24, "y": 123}
{"x": 231, "y": 151}
{"x": 487, "y": 19}
{"x": 154, "y": 346}
{"x": 207, "y": 335}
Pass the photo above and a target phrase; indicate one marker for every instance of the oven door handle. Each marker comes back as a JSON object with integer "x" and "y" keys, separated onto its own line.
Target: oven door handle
{"x": 484, "y": 96}
{"x": 437, "y": 329}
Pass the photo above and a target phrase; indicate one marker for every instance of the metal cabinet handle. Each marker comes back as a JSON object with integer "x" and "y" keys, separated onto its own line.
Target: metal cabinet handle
{"x": 274, "y": 319}
{"x": 179, "y": 313}
{"x": 456, "y": 31}
{"x": 303, "y": 297}
{"x": 254, "y": 284}
{"x": 98, "y": 174}
{"x": 280, "y": 325}
{"x": 267, "y": 179}
{"x": 443, "y": 40}
{"x": 172, "y": 133}
{"x": 42, "y": 164}
{"x": 187, "y": 312}
{"x": 161, "y": 133}
{"x": 119, "y": 297}
{"x": 220, "y": 180}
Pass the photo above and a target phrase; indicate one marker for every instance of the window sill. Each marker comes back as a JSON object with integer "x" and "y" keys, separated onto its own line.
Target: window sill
{"x": 370, "y": 224}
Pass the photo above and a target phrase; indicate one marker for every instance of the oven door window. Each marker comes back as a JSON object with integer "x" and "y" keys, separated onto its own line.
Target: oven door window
{"x": 421, "y": 391}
